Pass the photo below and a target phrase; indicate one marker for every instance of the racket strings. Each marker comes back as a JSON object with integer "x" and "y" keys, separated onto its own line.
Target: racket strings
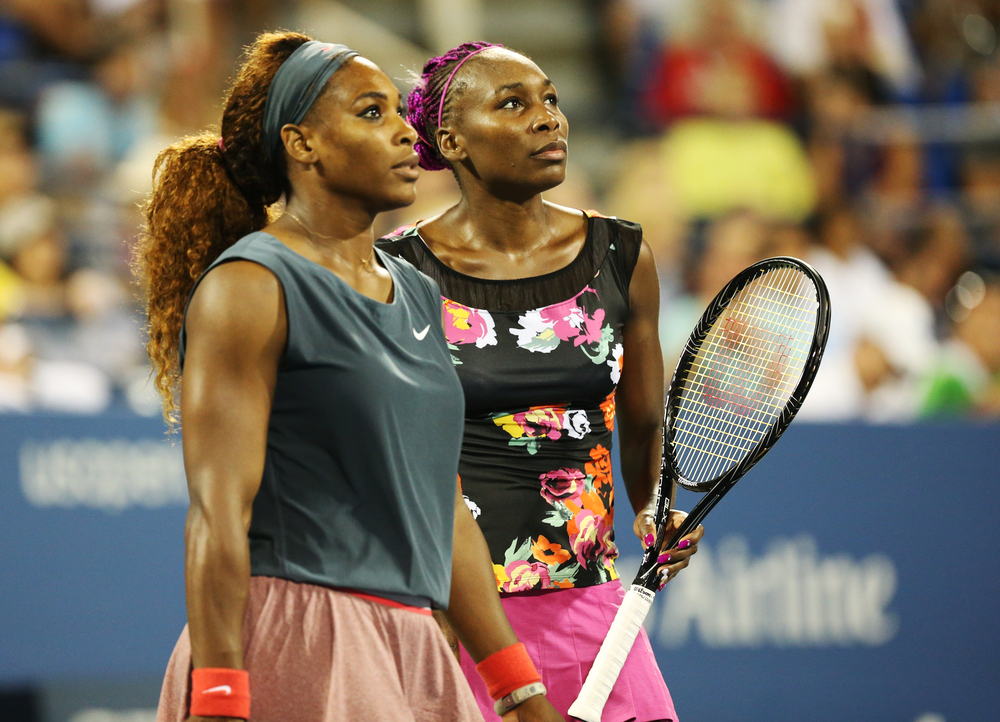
{"x": 740, "y": 341}
{"x": 739, "y": 381}
{"x": 726, "y": 389}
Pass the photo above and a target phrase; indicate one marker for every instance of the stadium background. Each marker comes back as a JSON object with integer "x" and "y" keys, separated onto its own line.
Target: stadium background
{"x": 853, "y": 575}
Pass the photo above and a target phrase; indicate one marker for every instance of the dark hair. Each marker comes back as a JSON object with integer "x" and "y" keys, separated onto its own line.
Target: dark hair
{"x": 208, "y": 192}
{"x": 424, "y": 101}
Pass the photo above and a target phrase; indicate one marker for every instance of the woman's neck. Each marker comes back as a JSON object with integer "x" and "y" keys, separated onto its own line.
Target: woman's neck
{"x": 331, "y": 220}
{"x": 507, "y": 226}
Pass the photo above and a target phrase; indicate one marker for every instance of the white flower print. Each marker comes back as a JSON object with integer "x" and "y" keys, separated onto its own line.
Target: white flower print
{"x": 535, "y": 334}
{"x": 616, "y": 363}
{"x": 473, "y": 507}
{"x": 576, "y": 423}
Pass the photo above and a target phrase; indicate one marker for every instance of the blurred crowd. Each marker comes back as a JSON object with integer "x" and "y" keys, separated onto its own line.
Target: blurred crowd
{"x": 860, "y": 135}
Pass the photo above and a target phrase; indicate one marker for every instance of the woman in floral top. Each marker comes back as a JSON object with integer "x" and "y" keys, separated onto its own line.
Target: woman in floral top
{"x": 541, "y": 305}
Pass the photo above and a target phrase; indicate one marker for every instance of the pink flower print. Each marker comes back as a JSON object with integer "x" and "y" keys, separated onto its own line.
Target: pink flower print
{"x": 464, "y": 325}
{"x": 591, "y": 331}
{"x": 564, "y": 318}
{"x": 525, "y": 575}
{"x": 541, "y": 330}
{"x": 527, "y": 428}
{"x": 562, "y": 485}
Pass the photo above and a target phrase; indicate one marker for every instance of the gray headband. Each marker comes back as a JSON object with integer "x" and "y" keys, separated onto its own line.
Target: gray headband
{"x": 295, "y": 87}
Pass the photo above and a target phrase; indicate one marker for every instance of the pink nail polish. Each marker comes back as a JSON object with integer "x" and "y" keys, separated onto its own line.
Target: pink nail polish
{"x": 663, "y": 559}
{"x": 649, "y": 539}
{"x": 684, "y": 544}
{"x": 662, "y": 585}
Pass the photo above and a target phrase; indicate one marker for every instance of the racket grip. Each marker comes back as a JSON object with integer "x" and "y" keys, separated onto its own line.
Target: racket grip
{"x": 611, "y": 658}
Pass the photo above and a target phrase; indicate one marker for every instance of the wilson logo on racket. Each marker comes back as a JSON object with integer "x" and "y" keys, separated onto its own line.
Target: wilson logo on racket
{"x": 750, "y": 364}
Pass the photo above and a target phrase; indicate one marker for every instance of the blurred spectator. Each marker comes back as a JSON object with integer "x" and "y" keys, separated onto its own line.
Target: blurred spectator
{"x": 867, "y": 37}
{"x": 714, "y": 166}
{"x": 717, "y": 71}
{"x": 881, "y": 340}
{"x": 966, "y": 377}
{"x": 731, "y": 243}
{"x": 980, "y": 200}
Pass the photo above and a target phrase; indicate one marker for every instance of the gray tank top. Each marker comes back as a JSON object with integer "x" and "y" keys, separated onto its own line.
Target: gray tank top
{"x": 358, "y": 489}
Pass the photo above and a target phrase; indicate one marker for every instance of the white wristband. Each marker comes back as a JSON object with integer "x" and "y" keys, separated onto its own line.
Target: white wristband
{"x": 508, "y": 702}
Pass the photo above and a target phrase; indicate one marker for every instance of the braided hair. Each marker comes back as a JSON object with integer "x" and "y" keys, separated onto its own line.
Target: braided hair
{"x": 427, "y": 109}
{"x": 208, "y": 192}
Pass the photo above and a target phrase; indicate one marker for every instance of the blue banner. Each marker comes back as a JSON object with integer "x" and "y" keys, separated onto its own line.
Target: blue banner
{"x": 852, "y": 575}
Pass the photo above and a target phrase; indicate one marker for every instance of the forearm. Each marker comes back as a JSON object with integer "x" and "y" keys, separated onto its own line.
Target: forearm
{"x": 474, "y": 609}
{"x": 641, "y": 451}
{"x": 217, "y": 576}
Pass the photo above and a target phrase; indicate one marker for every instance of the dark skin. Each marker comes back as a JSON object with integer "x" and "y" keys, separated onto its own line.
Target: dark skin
{"x": 351, "y": 158}
{"x": 506, "y": 139}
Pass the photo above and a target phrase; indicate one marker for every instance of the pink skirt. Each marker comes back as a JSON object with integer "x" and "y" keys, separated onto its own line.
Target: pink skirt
{"x": 319, "y": 655}
{"x": 563, "y": 630}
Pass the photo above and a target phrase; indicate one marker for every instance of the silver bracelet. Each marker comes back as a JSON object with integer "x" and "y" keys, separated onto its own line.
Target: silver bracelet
{"x": 505, "y": 704}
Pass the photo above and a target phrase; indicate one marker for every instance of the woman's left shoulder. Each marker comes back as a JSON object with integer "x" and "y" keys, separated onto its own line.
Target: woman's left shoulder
{"x": 631, "y": 229}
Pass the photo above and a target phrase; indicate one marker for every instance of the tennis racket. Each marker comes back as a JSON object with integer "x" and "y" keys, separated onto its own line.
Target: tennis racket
{"x": 740, "y": 380}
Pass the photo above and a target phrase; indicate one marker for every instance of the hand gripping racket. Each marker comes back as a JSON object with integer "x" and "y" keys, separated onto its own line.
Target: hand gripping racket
{"x": 741, "y": 378}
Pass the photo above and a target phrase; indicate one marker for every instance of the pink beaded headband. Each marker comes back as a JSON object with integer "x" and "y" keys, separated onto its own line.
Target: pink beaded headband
{"x": 447, "y": 83}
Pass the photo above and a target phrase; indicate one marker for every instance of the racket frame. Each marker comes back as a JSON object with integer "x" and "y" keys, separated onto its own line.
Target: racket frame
{"x": 719, "y": 486}
{"x": 589, "y": 704}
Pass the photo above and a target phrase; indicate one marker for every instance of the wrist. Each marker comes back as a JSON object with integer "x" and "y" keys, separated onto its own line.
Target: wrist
{"x": 507, "y": 670}
{"x": 220, "y": 692}
{"x": 509, "y": 701}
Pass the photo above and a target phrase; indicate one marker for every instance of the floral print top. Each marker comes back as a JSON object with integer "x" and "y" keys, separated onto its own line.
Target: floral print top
{"x": 539, "y": 360}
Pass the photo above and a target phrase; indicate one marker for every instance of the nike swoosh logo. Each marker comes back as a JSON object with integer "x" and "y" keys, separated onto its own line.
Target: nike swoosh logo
{"x": 420, "y": 336}
{"x": 224, "y": 688}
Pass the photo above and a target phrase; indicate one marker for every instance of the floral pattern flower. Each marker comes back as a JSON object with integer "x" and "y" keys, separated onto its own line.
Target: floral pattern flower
{"x": 591, "y": 536}
{"x": 576, "y": 423}
{"x": 545, "y": 551}
{"x": 473, "y": 507}
{"x": 465, "y": 325}
{"x": 608, "y": 408}
{"x": 616, "y": 363}
{"x": 562, "y": 485}
{"x": 542, "y": 330}
{"x": 528, "y": 428}
{"x": 526, "y": 575}
{"x": 599, "y": 469}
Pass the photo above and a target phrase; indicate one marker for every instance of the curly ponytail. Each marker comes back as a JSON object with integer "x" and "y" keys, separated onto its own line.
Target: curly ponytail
{"x": 208, "y": 192}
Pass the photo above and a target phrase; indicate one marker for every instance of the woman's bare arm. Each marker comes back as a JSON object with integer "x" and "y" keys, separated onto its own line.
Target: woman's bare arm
{"x": 236, "y": 331}
{"x": 639, "y": 407}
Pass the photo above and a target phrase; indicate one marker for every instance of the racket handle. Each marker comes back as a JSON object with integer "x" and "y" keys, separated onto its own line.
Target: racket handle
{"x": 610, "y": 660}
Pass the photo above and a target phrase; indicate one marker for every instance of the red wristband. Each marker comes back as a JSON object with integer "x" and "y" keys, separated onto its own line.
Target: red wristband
{"x": 217, "y": 692}
{"x": 509, "y": 669}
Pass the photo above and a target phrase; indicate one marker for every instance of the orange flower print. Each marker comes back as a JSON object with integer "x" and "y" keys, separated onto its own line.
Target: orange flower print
{"x": 600, "y": 467}
{"x": 545, "y": 551}
{"x": 608, "y": 407}
{"x": 501, "y": 576}
{"x": 592, "y": 501}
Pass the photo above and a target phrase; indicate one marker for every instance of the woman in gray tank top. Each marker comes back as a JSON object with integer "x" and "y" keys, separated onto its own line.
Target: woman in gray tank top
{"x": 322, "y": 416}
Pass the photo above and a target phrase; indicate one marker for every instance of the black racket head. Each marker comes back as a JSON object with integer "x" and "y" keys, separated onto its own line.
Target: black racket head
{"x": 744, "y": 372}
